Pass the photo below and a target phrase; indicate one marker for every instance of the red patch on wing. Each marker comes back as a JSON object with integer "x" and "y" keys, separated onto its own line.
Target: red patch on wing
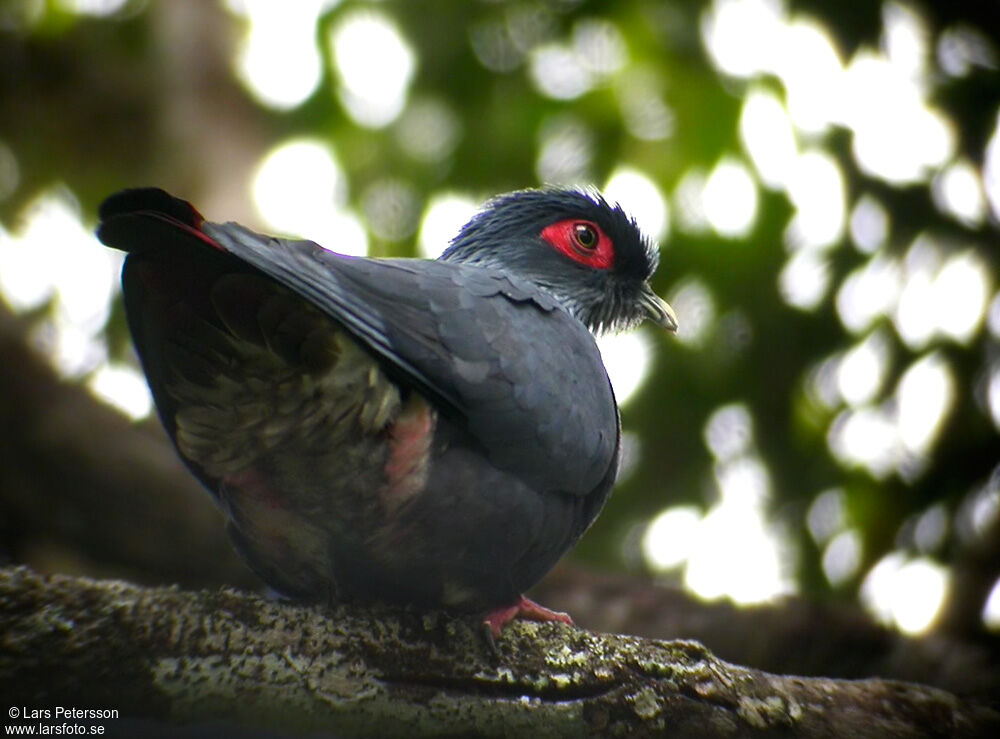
{"x": 565, "y": 237}
{"x": 254, "y": 485}
{"x": 409, "y": 448}
{"x": 193, "y": 228}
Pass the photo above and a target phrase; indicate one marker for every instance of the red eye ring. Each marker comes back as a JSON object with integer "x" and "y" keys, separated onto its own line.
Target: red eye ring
{"x": 582, "y": 241}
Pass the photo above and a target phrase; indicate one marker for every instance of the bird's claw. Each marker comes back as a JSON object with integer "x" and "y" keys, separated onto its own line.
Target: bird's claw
{"x": 525, "y": 608}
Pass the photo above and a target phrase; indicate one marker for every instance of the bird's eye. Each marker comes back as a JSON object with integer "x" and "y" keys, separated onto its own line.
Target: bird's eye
{"x": 582, "y": 241}
{"x": 585, "y": 236}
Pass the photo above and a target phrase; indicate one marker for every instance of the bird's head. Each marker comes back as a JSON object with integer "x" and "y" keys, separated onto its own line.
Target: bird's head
{"x": 587, "y": 254}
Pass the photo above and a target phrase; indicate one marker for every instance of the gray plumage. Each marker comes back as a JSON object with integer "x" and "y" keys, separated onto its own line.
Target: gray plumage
{"x": 431, "y": 432}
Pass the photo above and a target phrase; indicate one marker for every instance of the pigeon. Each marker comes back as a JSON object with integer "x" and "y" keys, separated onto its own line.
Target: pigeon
{"x": 436, "y": 433}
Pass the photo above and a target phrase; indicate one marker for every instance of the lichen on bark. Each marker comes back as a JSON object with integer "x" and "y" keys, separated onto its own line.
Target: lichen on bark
{"x": 180, "y": 657}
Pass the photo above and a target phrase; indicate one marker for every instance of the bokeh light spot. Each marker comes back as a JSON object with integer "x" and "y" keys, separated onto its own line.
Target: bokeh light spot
{"x": 279, "y": 60}
{"x": 529, "y": 24}
{"x": 991, "y": 170}
{"x": 842, "y": 557}
{"x": 754, "y": 568}
{"x": 993, "y": 317}
{"x": 428, "y": 130}
{"x": 124, "y": 388}
{"x": 743, "y": 479}
{"x": 669, "y": 538}
{"x": 728, "y": 431}
{"x": 865, "y": 437}
{"x": 931, "y": 529}
{"x": 977, "y": 515}
{"x": 375, "y": 66}
{"x": 958, "y": 192}
{"x": 905, "y": 593}
{"x": 962, "y": 48}
{"x": 52, "y": 256}
{"x": 993, "y": 394}
{"x": 565, "y": 151}
{"x": 869, "y": 293}
{"x": 300, "y": 189}
{"x": 768, "y": 137}
{"x": 810, "y": 68}
{"x": 741, "y": 35}
{"x": 391, "y": 209}
{"x": 869, "y": 224}
{"x": 695, "y": 307}
{"x": 689, "y": 203}
{"x": 925, "y": 394}
{"x": 730, "y": 199}
{"x": 863, "y": 369}
{"x": 641, "y": 198}
{"x": 557, "y": 72}
{"x": 816, "y": 187}
{"x": 959, "y": 293}
{"x": 916, "y": 314}
{"x": 644, "y": 112}
{"x": 905, "y": 39}
{"x": 444, "y": 216}
{"x": 897, "y": 137}
{"x": 93, "y": 7}
{"x": 493, "y": 46}
{"x": 827, "y": 515}
{"x": 600, "y": 46}
{"x": 821, "y": 383}
{"x": 804, "y": 279}
{"x": 991, "y": 609}
{"x": 626, "y": 358}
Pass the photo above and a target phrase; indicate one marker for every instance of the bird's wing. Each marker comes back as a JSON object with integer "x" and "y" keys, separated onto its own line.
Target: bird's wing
{"x": 525, "y": 376}
{"x": 496, "y": 354}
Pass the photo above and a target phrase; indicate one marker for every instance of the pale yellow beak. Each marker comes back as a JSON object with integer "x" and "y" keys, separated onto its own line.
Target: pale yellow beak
{"x": 659, "y": 311}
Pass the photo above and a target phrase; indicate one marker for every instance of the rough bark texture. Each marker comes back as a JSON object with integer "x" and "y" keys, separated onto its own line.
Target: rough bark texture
{"x": 210, "y": 657}
{"x": 791, "y": 636}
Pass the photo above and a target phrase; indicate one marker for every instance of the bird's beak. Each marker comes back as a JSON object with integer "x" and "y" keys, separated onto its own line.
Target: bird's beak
{"x": 658, "y": 310}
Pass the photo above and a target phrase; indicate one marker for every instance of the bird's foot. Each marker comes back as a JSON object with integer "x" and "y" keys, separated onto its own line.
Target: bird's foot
{"x": 524, "y": 608}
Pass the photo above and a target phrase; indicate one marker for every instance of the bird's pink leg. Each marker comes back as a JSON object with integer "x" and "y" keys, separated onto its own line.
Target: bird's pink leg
{"x": 525, "y": 608}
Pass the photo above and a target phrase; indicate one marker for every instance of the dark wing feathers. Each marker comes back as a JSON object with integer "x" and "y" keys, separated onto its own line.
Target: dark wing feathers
{"x": 476, "y": 341}
{"x": 493, "y": 352}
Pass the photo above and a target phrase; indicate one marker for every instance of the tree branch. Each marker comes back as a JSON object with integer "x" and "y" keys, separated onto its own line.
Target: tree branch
{"x": 209, "y": 657}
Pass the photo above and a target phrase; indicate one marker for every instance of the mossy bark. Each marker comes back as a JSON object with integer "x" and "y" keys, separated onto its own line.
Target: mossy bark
{"x": 230, "y": 658}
